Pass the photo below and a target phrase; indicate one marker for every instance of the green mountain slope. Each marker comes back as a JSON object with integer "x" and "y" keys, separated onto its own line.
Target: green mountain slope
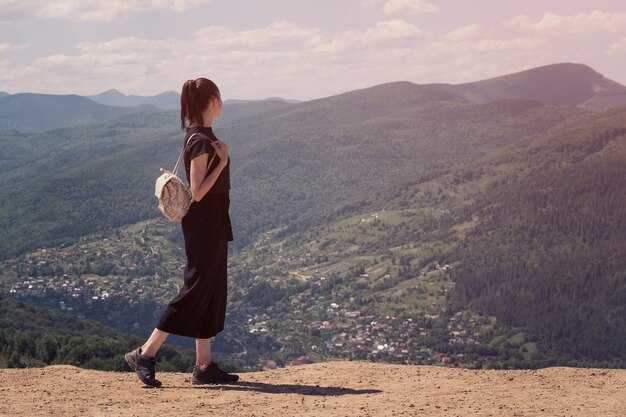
{"x": 28, "y": 112}
{"x": 549, "y": 249}
{"x": 376, "y": 191}
{"x": 32, "y": 336}
{"x": 535, "y": 233}
{"x": 303, "y": 158}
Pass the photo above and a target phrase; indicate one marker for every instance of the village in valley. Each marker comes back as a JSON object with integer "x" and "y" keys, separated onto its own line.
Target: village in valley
{"x": 310, "y": 315}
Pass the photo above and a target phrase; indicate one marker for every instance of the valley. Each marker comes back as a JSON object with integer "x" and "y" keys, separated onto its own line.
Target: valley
{"x": 402, "y": 223}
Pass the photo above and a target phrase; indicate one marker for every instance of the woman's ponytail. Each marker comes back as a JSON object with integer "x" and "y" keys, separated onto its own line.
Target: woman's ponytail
{"x": 194, "y": 99}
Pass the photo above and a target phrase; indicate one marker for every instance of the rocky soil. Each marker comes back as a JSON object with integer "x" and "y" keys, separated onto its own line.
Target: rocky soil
{"x": 339, "y": 388}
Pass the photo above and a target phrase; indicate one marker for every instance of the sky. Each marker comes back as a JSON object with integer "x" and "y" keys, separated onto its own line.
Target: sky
{"x": 296, "y": 49}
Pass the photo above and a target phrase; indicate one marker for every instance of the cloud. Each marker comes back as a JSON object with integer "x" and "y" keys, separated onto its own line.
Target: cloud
{"x": 281, "y": 59}
{"x": 390, "y": 7}
{"x": 5, "y": 47}
{"x": 277, "y": 36}
{"x": 88, "y": 10}
{"x": 391, "y": 33}
{"x": 469, "y": 32}
{"x": 275, "y": 59}
{"x": 617, "y": 48}
{"x": 551, "y": 24}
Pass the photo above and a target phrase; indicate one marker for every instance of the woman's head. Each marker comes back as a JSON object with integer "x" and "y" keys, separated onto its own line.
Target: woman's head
{"x": 198, "y": 96}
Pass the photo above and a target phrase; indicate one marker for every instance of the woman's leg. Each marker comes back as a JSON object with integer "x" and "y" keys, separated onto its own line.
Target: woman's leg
{"x": 152, "y": 345}
{"x": 203, "y": 352}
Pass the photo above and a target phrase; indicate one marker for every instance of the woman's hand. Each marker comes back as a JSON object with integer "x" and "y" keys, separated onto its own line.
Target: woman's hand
{"x": 221, "y": 149}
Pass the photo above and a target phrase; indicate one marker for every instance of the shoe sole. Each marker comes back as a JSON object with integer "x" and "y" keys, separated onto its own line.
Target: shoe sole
{"x": 129, "y": 360}
{"x": 212, "y": 383}
{"x": 206, "y": 383}
{"x": 196, "y": 381}
{"x": 220, "y": 381}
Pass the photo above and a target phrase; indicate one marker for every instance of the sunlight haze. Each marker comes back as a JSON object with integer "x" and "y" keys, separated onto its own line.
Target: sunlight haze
{"x": 295, "y": 49}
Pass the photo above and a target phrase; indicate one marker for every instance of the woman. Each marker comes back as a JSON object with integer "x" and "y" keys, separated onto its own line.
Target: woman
{"x": 199, "y": 309}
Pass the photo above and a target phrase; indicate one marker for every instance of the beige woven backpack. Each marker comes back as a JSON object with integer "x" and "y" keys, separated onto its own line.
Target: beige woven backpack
{"x": 174, "y": 198}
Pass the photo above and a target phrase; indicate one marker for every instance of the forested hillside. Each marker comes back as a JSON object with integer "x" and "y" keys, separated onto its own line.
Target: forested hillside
{"x": 303, "y": 158}
{"x": 403, "y": 205}
{"x": 536, "y": 233}
{"x": 30, "y": 112}
{"x": 32, "y": 336}
{"x": 549, "y": 249}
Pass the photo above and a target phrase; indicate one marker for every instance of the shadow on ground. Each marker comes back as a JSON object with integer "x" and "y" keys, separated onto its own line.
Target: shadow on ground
{"x": 248, "y": 386}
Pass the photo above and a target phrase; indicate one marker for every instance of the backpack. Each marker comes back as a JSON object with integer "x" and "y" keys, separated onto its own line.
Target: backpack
{"x": 174, "y": 198}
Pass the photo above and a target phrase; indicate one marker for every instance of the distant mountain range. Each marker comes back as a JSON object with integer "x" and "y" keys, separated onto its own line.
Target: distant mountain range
{"x": 29, "y": 112}
{"x": 560, "y": 84}
{"x": 168, "y": 100}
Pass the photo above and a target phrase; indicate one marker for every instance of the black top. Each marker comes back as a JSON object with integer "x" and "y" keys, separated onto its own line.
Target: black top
{"x": 200, "y": 144}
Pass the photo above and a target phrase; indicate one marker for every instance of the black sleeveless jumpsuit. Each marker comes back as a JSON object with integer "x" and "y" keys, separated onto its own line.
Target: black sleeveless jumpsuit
{"x": 199, "y": 309}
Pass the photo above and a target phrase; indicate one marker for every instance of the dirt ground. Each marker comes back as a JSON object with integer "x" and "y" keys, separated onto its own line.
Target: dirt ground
{"x": 339, "y": 388}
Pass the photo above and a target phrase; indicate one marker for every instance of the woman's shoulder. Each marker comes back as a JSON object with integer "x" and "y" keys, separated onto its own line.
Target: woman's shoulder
{"x": 198, "y": 142}
{"x": 200, "y": 133}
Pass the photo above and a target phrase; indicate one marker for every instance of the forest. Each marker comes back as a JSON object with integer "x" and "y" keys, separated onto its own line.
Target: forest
{"x": 524, "y": 200}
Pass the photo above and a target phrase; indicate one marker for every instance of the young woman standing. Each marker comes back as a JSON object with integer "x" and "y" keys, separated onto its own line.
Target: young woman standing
{"x": 199, "y": 309}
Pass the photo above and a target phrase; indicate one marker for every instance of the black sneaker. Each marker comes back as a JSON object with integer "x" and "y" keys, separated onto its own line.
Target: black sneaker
{"x": 143, "y": 367}
{"x": 212, "y": 374}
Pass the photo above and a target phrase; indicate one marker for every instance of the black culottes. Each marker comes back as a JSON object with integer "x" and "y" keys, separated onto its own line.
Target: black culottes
{"x": 199, "y": 309}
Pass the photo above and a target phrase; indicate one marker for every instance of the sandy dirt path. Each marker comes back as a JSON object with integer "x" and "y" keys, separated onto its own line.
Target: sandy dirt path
{"x": 339, "y": 388}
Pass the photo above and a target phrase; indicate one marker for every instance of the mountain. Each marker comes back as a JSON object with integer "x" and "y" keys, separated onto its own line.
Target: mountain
{"x": 548, "y": 239}
{"x": 240, "y": 101}
{"x": 561, "y": 83}
{"x": 409, "y": 200}
{"x": 169, "y": 100}
{"x": 29, "y": 112}
{"x": 236, "y": 109}
{"x": 338, "y": 388}
{"x": 286, "y": 100}
{"x": 33, "y": 336}
{"x": 32, "y": 113}
{"x": 402, "y": 129}
{"x": 604, "y": 101}
{"x": 529, "y": 233}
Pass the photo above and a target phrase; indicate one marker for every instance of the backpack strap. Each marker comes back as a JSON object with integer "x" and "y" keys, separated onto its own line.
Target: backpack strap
{"x": 180, "y": 157}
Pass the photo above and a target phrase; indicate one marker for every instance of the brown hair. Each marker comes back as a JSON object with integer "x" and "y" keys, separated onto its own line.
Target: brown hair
{"x": 194, "y": 99}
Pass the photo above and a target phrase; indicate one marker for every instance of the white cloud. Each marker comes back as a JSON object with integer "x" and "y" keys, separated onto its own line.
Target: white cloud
{"x": 552, "y": 24}
{"x": 523, "y": 44}
{"x": 390, "y": 7}
{"x": 88, "y": 10}
{"x": 389, "y": 33}
{"x": 277, "y": 36}
{"x": 282, "y": 59}
{"x": 5, "y": 47}
{"x": 274, "y": 59}
{"x": 469, "y": 32}
{"x": 391, "y": 29}
{"x": 617, "y": 48}
{"x": 408, "y": 6}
